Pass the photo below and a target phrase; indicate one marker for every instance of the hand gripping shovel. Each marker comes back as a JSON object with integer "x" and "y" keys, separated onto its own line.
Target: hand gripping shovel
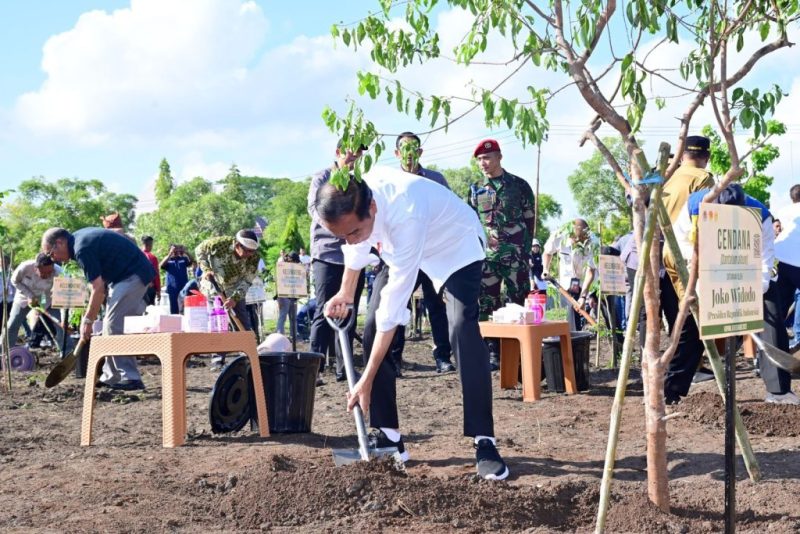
{"x": 571, "y": 300}
{"x": 364, "y": 452}
{"x": 782, "y": 359}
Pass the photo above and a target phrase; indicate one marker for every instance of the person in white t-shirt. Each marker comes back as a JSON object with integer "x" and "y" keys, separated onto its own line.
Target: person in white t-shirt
{"x": 787, "y": 252}
{"x": 575, "y": 250}
{"x": 420, "y": 226}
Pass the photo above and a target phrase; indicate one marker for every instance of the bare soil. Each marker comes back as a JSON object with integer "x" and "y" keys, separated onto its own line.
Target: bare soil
{"x": 126, "y": 482}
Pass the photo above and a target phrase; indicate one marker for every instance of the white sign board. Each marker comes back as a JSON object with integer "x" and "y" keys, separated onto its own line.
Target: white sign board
{"x": 69, "y": 292}
{"x": 613, "y": 275}
{"x": 257, "y": 292}
{"x": 729, "y": 283}
{"x": 291, "y": 280}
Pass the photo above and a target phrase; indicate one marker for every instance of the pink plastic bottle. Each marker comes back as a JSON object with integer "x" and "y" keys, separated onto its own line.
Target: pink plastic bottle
{"x": 219, "y": 317}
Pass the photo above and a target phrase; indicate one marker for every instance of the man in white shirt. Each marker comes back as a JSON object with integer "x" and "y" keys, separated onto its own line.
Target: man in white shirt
{"x": 33, "y": 279}
{"x": 575, "y": 251}
{"x": 421, "y": 226}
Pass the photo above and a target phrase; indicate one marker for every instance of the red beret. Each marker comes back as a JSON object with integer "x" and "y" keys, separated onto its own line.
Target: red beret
{"x": 486, "y": 146}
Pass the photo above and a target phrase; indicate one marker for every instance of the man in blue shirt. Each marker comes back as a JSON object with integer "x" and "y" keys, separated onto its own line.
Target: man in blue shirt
{"x": 176, "y": 264}
{"x": 107, "y": 258}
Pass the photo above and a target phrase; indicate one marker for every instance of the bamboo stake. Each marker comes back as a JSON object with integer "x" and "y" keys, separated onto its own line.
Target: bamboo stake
{"x": 627, "y": 353}
{"x": 750, "y": 461}
{"x": 599, "y": 299}
{"x": 6, "y": 346}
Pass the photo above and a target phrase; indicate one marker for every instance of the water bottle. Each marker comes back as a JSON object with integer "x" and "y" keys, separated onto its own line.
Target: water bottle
{"x": 219, "y": 317}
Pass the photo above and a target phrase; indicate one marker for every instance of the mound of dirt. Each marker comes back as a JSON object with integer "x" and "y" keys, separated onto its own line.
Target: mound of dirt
{"x": 287, "y": 492}
{"x": 760, "y": 418}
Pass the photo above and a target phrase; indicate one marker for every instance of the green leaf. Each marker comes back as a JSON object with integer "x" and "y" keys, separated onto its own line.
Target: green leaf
{"x": 398, "y": 96}
{"x": 346, "y": 37}
{"x": 419, "y": 108}
{"x": 367, "y": 162}
{"x": 746, "y": 118}
{"x": 737, "y": 94}
{"x": 660, "y": 102}
{"x": 335, "y": 31}
{"x": 740, "y": 41}
{"x": 763, "y": 29}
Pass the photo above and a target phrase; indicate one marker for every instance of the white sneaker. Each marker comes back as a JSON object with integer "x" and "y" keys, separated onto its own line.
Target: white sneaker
{"x": 786, "y": 398}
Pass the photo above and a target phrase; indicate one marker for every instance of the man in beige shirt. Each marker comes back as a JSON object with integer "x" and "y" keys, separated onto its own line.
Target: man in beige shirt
{"x": 691, "y": 176}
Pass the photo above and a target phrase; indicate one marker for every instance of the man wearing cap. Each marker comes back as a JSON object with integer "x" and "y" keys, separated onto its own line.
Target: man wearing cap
{"x": 408, "y": 150}
{"x": 113, "y": 222}
{"x": 505, "y": 206}
{"x": 107, "y": 258}
{"x": 690, "y": 177}
{"x": 327, "y": 264}
{"x": 777, "y": 381}
{"x": 154, "y": 291}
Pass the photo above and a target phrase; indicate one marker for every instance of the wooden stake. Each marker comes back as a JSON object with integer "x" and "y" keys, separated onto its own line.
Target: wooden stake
{"x": 6, "y": 347}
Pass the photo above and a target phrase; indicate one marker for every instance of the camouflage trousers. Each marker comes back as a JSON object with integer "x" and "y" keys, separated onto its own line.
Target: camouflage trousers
{"x": 498, "y": 271}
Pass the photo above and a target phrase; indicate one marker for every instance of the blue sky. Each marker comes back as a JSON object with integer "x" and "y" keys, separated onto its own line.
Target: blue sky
{"x": 105, "y": 89}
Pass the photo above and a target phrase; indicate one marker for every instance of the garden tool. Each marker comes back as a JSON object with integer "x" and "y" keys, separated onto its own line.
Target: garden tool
{"x": 571, "y": 300}
{"x": 364, "y": 452}
{"x": 782, "y": 359}
{"x": 237, "y": 324}
{"x": 65, "y": 366}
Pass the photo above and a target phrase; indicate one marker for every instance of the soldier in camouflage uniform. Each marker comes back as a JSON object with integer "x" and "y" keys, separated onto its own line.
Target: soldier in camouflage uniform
{"x": 504, "y": 203}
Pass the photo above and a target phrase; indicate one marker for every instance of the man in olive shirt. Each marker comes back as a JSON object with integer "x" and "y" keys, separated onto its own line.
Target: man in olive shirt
{"x": 691, "y": 176}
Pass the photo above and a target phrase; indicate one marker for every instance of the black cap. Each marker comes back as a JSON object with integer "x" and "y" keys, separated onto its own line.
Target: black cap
{"x": 697, "y": 144}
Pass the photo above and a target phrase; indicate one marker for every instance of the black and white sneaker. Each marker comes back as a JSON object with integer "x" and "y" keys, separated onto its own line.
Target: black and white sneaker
{"x": 489, "y": 463}
{"x": 379, "y": 440}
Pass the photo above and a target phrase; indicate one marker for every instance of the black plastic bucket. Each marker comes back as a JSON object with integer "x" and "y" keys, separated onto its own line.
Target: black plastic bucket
{"x": 289, "y": 385}
{"x": 553, "y": 367}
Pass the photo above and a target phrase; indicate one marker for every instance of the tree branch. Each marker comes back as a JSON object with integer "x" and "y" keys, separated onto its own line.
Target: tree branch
{"x": 541, "y": 13}
{"x": 602, "y": 22}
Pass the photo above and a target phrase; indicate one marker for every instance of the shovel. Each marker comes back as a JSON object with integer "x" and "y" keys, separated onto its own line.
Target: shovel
{"x": 782, "y": 359}
{"x": 364, "y": 452}
{"x": 232, "y": 314}
{"x": 572, "y": 301}
{"x": 65, "y": 366}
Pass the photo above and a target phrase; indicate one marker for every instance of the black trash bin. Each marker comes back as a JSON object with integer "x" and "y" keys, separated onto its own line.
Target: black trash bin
{"x": 289, "y": 385}
{"x": 553, "y": 368}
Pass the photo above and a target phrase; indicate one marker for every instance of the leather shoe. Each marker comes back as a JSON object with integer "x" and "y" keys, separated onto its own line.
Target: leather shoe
{"x": 444, "y": 366}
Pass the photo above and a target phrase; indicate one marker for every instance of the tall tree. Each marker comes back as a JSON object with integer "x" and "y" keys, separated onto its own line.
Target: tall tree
{"x": 165, "y": 183}
{"x": 70, "y": 203}
{"x": 590, "y": 43}
{"x": 599, "y": 195}
{"x": 233, "y": 184}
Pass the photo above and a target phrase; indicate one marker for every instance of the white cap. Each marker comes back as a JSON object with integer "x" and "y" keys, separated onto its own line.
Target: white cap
{"x": 536, "y": 242}
{"x": 276, "y": 342}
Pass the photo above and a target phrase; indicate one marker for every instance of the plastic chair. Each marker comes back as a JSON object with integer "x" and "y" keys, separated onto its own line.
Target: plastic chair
{"x": 524, "y": 342}
{"x": 172, "y": 350}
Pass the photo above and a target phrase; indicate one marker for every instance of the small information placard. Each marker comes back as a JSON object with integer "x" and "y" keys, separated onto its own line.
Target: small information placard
{"x": 69, "y": 292}
{"x": 291, "y": 280}
{"x": 613, "y": 275}
{"x": 257, "y": 292}
{"x": 729, "y": 284}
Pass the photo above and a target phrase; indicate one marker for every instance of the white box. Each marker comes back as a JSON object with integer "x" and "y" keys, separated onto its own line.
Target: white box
{"x": 151, "y": 324}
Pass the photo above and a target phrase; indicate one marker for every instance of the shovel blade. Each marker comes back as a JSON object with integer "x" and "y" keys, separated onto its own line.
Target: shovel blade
{"x": 349, "y": 456}
{"x": 65, "y": 366}
{"x": 784, "y": 360}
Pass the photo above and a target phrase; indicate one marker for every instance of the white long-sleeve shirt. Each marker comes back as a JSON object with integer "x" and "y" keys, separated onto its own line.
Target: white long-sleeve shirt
{"x": 787, "y": 244}
{"x": 420, "y": 226}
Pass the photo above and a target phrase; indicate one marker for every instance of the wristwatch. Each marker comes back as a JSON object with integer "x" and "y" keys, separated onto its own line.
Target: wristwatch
{"x": 87, "y": 320}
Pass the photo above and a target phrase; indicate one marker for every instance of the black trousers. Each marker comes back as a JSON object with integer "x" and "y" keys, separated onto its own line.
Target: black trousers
{"x": 776, "y": 380}
{"x": 327, "y": 281}
{"x": 462, "y": 288}
{"x": 690, "y": 347}
{"x": 437, "y": 312}
{"x": 642, "y": 324}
